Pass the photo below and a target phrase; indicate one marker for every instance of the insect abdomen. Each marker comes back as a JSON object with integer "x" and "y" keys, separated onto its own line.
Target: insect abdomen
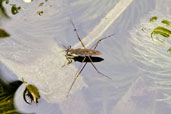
{"x": 86, "y": 52}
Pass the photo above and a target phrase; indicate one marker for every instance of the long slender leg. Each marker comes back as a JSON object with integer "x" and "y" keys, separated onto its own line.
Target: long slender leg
{"x": 77, "y": 34}
{"x": 77, "y": 75}
{"x": 95, "y": 48}
{"x": 101, "y": 40}
{"x": 97, "y": 69}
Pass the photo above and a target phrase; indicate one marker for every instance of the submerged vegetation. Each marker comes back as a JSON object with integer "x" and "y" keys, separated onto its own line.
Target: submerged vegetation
{"x": 40, "y": 13}
{"x": 162, "y": 31}
{"x": 2, "y": 9}
{"x": 166, "y": 22}
{"x": 3, "y": 34}
{"x": 152, "y": 19}
{"x": 169, "y": 50}
{"x": 14, "y": 9}
{"x": 153, "y": 50}
{"x": 40, "y": 5}
{"x": 7, "y": 92}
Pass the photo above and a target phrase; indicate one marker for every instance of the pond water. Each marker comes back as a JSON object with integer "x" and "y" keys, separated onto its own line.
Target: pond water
{"x": 139, "y": 66}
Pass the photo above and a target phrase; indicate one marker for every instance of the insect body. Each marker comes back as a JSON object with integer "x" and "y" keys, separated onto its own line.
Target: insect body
{"x": 83, "y": 52}
{"x": 85, "y": 55}
{"x": 32, "y": 92}
{"x": 75, "y": 53}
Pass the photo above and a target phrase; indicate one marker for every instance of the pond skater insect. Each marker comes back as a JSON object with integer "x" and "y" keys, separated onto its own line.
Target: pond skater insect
{"x": 83, "y": 55}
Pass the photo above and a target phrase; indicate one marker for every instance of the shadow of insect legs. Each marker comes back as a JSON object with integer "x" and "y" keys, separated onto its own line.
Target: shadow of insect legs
{"x": 82, "y": 67}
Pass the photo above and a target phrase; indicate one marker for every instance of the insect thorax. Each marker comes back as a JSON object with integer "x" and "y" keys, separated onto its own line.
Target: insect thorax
{"x": 83, "y": 52}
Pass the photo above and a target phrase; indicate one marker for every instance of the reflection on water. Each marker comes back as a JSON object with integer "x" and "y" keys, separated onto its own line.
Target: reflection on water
{"x": 31, "y": 52}
{"x": 27, "y": 1}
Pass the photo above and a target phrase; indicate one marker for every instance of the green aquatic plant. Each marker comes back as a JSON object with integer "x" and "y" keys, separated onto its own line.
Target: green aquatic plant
{"x": 14, "y": 9}
{"x": 152, "y": 19}
{"x": 4, "y": 34}
{"x": 169, "y": 50}
{"x": 154, "y": 56}
{"x": 2, "y": 9}
{"x": 41, "y": 4}
{"x": 40, "y": 13}
{"x": 162, "y": 31}
{"x": 7, "y": 92}
{"x": 32, "y": 92}
{"x": 166, "y": 22}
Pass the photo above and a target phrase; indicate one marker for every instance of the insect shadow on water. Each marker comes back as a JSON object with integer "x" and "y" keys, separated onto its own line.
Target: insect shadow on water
{"x": 94, "y": 59}
{"x": 83, "y": 55}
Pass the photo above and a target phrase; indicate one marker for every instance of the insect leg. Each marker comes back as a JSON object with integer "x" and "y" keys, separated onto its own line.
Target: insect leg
{"x": 77, "y": 75}
{"x": 69, "y": 61}
{"x": 100, "y": 41}
{"x": 77, "y": 34}
{"x": 97, "y": 69}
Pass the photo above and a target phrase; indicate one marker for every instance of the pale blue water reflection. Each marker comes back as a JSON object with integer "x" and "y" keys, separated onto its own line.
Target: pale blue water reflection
{"x": 34, "y": 52}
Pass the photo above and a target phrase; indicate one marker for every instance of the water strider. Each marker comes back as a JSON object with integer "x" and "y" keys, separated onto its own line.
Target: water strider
{"x": 83, "y": 55}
